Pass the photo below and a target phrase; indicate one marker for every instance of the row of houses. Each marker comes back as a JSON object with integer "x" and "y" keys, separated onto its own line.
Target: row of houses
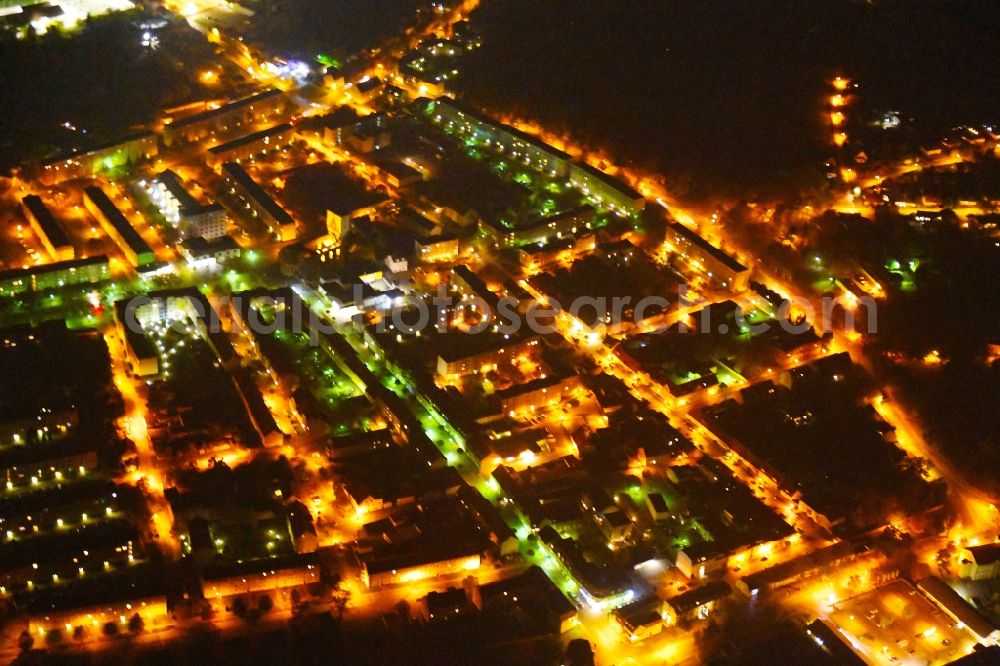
{"x": 90, "y": 271}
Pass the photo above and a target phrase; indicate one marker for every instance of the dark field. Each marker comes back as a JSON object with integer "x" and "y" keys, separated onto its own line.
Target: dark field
{"x": 100, "y": 80}
{"x": 334, "y": 27}
{"x": 727, "y": 98}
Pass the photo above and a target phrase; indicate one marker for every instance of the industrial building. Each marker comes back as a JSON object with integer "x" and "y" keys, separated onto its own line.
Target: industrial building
{"x": 958, "y": 609}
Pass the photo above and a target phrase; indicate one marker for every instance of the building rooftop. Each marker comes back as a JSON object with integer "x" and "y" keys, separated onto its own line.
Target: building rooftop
{"x": 948, "y": 599}
{"x": 609, "y": 180}
{"x": 707, "y": 247}
{"x": 239, "y": 175}
{"x": 50, "y": 227}
{"x": 985, "y": 554}
{"x": 700, "y": 596}
{"x": 833, "y": 644}
{"x": 227, "y": 108}
{"x": 117, "y": 220}
{"x": 175, "y": 186}
{"x": 249, "y": 139}
{"x": 200, "y": 248}
{"x": 513, "y": 131}
{"x": 56, "y": 267}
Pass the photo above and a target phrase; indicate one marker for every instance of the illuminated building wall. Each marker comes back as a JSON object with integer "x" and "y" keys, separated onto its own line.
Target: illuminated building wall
{"x": 263, "y": 106}
{"x": 136, "y": 148}
{"x": 250, "y": 146}
{"x": 535, "y": 257}
{"x": 153, "y": 611}
{"x": 722, "y": 270}
{"x": 255, "y": 202}
{"x": 55, "y": 276}
{"x": 980, "y": 562}
{"x": 263, "y": 581}
{"x": 474, "y": 363}
{"x": 437, "y": 249}
{"x": 375, "y": 577}
{"x": 117, "y": 226}
{"x": 50, "y": 233}
{"x": 606, "y": 191}
{"x": 504, "y": 139}
{"x": 540, "y": 393}
{"x": 182, "y": 210}
{"x": 565, "y": 224}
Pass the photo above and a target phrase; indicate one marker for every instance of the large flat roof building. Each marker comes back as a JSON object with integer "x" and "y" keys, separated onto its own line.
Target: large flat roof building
{"x": 948, "y": 600}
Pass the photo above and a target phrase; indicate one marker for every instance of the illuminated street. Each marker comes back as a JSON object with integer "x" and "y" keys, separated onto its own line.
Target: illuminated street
{"x": 340, "y": 344}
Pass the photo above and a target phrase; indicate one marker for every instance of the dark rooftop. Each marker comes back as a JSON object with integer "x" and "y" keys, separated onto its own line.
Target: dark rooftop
{"x": 226, "y": 108}
{"x": 118, "y": 220}
{"x": 224, "y": 148}
{"x": 258, "y": 193}
{"x": 51, "y": 228}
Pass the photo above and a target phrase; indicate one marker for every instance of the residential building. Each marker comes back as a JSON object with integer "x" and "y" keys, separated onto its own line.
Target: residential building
{"x": 980, "y": 562}
{"x": 194, "y": 219}
{"x": 260, "y": 107}
{"x": 54, "y": 276}
{"x": 505, "y": 139}
{"x": 249, "y": 146}
{"x": 641, "y": 619}
{"x": 698, "y": 603}
{"x": 543, "y": 230}
{"x": 87, "y": 163}
{"x": 722, "y": 270}
{"x": 139, "y": 349}
{"x": 606, "y": 191}
{"x": 50, "y": 233}
{"x": 202, "y": 253}
{"x": 256, "y": 203}
{"x": 471, "y": 358}
{"x": 117, "y": 226}
{"x": 442, "y": 248}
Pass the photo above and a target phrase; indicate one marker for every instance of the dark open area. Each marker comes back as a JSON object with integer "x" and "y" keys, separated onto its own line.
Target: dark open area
{"x": 726, "y": 98}
{"x": 332, "y": 27}
{"x": 87, "y": 80}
